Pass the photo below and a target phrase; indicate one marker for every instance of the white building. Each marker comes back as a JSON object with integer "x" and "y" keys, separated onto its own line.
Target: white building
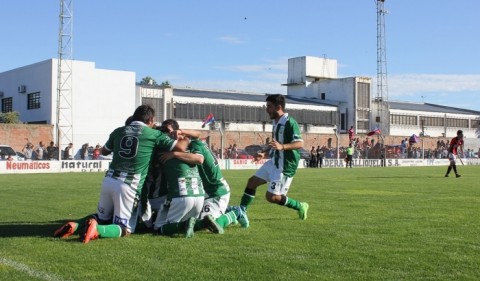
{"x": 316, "y": 97}
{"x": 101, "y": 99}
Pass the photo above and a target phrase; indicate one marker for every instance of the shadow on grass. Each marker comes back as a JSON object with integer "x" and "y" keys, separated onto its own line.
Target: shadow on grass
{"x": 29, "y": 229}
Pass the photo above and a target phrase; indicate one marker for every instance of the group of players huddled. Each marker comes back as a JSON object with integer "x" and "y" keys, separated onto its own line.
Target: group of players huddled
{"x": 167, "y": 179}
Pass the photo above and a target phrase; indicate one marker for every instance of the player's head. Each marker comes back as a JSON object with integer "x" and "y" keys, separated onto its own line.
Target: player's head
{"x": 145, "y": 114}
{"x": 275, "y": 105}
{"x": 129, "y": 120}
{"x": 169, "y": 126}
{"x": 460, "y": 133}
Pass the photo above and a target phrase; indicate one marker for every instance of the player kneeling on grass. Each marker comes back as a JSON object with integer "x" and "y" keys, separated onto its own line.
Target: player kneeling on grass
{"x": 185, "y": 192}
{"x": 217, "y": 190}
{"x": 132, "y": 146}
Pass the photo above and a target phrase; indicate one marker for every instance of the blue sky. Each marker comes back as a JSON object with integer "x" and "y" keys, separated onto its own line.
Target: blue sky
{"x": 432, "y": 46}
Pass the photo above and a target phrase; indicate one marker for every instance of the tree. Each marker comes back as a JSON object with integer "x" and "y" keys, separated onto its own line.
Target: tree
{"x": 148, "y": 81}
{"x": 12, "y": 117}
{"x": 166, "y": 84}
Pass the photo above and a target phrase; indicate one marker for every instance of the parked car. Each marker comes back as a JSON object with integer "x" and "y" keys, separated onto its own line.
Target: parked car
{"x": 304, "y": 154}
{"x": 20, "y": 156}
{"x": 255, "y": 148}
{"x": 7, "y": 152}
{"x": 242, "y": 154}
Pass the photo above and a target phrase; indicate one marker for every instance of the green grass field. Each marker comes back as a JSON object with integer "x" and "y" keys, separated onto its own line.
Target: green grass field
{"x": 363, "y": 224}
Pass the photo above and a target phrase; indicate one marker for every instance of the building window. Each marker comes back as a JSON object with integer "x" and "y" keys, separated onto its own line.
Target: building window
{"x": 363, "y": 95}
{"x": 396, "y": 119}
{"x": 475, "y": 124}
{"x": 33, "y": 101}
{"x": 7, "y": 105}
{"x": 457, "y": 123}
{"x": 322, "y": 96}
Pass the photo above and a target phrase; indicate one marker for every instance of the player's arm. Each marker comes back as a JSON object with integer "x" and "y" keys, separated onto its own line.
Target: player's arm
{"x": 190, "y": 158}
{"x": 193, "y": 134}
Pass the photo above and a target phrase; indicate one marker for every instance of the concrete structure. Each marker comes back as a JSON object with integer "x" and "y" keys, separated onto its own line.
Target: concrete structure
{"x": 102, "y": 99}
{"x": 317, "y": 98}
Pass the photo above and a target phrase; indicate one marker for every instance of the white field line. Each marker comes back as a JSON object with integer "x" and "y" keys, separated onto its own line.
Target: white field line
{"x": 32, "y": 272}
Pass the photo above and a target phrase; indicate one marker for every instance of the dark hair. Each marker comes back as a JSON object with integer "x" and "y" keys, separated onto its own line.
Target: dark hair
{"x": 459, "y": 133}
{"x": 277, "y": 100}
{"x": 171, "y": 122}
{"x": 128, "y": 121}
{"x": 143, "y": 113}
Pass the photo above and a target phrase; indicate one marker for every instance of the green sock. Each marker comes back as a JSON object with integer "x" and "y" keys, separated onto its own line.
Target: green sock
{"x": 292, "y": 203}
{"x": 247, "y": 200}
{"x": 227, "y": 219}
{"x": 109, "y": 231}
{"x": 81, "y": 222}
{"x": 199, "y": 225}
{"x": 173, "y": 228}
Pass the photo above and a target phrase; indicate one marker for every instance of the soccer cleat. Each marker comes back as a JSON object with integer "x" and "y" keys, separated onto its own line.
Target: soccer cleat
{"x": 212, "y": 225}
{"x": 302, "y": 212}
{"x": 66, "y": 230}
{"x": 91, "y": 232}
{"x": 446, "y": 176}
{"x": 189, "y": 230}
{"x": 242, "y": 217}
{"x": 457, "y": 175}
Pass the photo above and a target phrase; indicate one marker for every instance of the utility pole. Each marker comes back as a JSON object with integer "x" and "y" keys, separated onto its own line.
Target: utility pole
{"x": 382, "y": 85}
{"x": 64, "y": 122}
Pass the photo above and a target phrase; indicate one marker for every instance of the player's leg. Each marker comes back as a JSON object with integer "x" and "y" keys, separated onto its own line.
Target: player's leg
{"x": 71, "y": 228}
{"x": 216, "y": 208}
{"x": 277, "y": 193}
{"x": 261, "y": 177}
{"x": 120, "y": 208}
{"x": 181, "y": 217}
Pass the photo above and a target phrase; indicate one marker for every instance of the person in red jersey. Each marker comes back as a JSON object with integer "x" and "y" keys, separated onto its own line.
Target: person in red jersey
{"x": 455, "y": 147}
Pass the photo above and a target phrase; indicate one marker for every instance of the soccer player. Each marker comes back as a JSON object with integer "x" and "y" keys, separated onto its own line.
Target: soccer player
{"x": 216, "y": 187}
{"x": 132, "y": 146}
{"x": 186, "y": 194}
{"x": 279, "y": 170}
{"x": 456, "y": 145}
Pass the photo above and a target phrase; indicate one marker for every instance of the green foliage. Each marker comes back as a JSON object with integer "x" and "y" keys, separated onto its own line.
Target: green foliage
{"x": 363, "y": 224}
{"x": 148, "y": 81}
{"x": 12, "y": 117}
{"x": 166, "y": 84}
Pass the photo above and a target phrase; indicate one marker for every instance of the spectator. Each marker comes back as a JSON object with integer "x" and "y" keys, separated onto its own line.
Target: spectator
{"x": 84, "y": 152}
{"x": 39, "y": 151}
{"x": 52, "y": 151}
{"x": 351, "y": 133}
{"x": 68, "y": 153}
{"x": 28, "y": 151}
{"x": 96, "y": 152}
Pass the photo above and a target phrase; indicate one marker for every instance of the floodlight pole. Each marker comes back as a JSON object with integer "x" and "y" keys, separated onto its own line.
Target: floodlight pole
{"x": 336, "y": 137}
{"x": 384, "y": 152}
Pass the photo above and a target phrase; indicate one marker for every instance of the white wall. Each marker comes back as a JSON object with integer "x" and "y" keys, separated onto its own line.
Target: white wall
{"x": 101, "y": 99}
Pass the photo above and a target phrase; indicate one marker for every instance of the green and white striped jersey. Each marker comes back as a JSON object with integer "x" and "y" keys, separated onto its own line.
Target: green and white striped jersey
{"x": 183, "y": 180}
{"x": 210, "y": 172}
{"x": 286, "y": 130}
{"x": 132, "y": 148}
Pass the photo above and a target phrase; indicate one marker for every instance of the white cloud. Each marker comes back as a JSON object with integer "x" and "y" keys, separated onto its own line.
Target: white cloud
{"x": 411, "y": 84}
{"x": 232, "y": 40}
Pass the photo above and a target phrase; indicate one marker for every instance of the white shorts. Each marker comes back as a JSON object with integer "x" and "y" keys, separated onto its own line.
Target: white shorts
{"x": 215, "y": 206}
{"x": 117, "y": 203}
{"x": 180, "y": 209}
{"x": 451, "y": 156}
{"x": 278, "y": 183}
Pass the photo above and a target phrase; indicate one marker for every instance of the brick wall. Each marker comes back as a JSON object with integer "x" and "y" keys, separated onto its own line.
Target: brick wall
{"x": 16, "y": 135}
